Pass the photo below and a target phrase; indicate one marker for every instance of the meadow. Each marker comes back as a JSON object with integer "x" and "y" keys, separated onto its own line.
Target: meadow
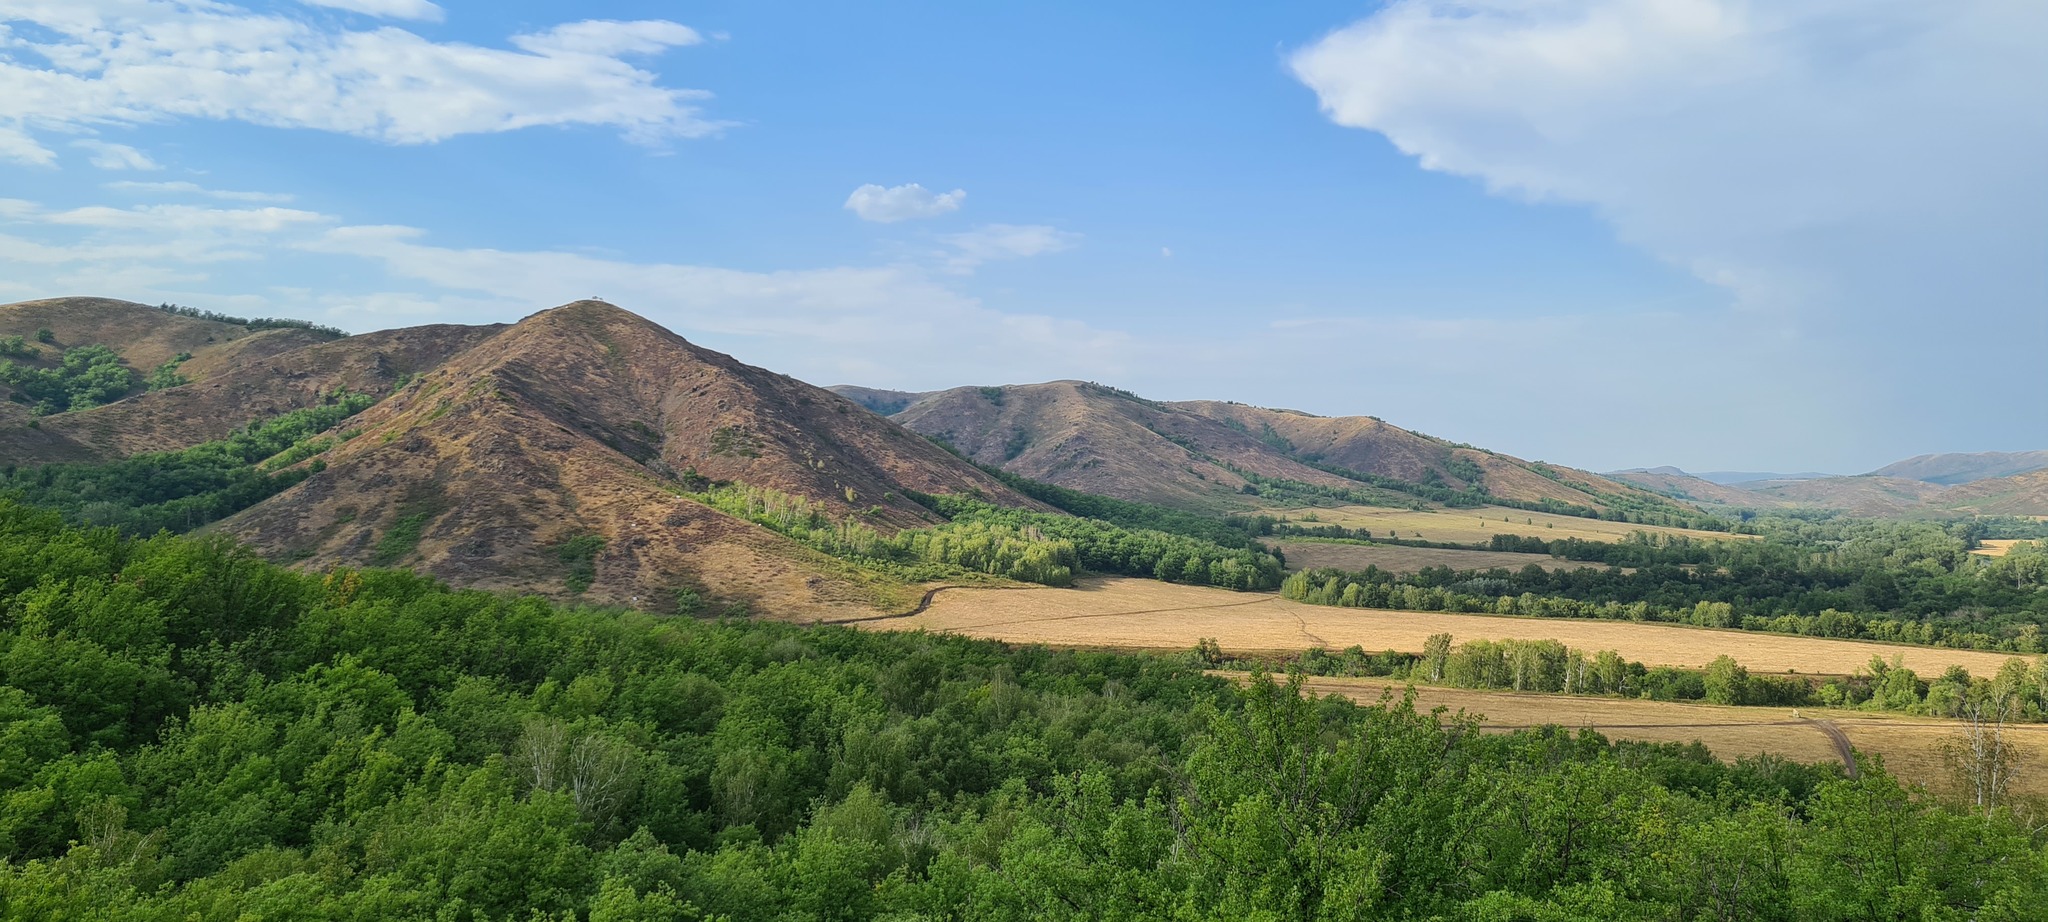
{"x": 1135, "y": 614}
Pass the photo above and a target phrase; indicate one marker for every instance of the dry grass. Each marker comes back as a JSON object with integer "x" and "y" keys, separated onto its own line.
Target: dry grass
{"x": 1466, "y": 526}
{"x": 1138, "y": 614}
{"x": 1308, "y": 555}
{"x": 1996, "y": 547}
{"x": 1910, "y": 746}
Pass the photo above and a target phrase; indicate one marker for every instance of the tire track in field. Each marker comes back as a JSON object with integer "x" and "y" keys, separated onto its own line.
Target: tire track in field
{"x": 923, "y": 605}
{"x": 926, "y": 603}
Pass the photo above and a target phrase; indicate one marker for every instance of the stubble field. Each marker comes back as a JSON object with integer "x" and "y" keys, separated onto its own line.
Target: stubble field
{"x": 1910, "y": 746}
{"x": 1138, "y": 614}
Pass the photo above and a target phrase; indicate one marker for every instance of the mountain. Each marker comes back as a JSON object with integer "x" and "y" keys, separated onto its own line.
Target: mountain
{"x": 1368, "y": 445}
{"x": 1677, "y": 484}
{"x": 2024, "y": 494}
{"x": 887, "y": 403}
{"x": 1737, "y": 478}
{"x": 1197, "y": 454}
{"x": 508, "y": 452}
{"x": 1954, "y": 468}
{"x": 1863, "y": 495}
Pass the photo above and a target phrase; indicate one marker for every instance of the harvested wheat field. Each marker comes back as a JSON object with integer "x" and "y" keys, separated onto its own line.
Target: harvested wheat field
{"x": 1467, "y": 526}
{"x": 1140, "y": 614}
{"x": 1996, "y": 547}
{"x": 1308, "y": 555}
{"x": 1910, "y": 746}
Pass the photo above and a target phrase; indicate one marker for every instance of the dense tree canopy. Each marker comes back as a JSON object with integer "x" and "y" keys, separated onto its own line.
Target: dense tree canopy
{"x": 188, "y": 732}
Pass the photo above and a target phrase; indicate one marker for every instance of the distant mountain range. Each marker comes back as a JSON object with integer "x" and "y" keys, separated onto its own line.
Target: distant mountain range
{"x": 2004, "y": 483}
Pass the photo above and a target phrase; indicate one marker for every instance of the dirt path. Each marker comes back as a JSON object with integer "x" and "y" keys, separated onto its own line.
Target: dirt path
{"x": 1841, "y": 741}
{"x": 923, "y": 605}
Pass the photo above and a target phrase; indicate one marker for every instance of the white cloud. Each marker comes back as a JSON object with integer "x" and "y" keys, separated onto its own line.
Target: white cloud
{"x": 887, "y": 205}
{"x": 1855, "y": 172}
{"x": 1787, "y": 150}
{"x": 825, "y": 323}
{"x": 109, "y": 156}
{"x": 991, "y": 242}
{"x": 419, "y": 10}
{"x": 85, "y": 64}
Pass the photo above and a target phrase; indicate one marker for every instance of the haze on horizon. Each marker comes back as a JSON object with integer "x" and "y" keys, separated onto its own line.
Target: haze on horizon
{"x": 1809, "y": 235}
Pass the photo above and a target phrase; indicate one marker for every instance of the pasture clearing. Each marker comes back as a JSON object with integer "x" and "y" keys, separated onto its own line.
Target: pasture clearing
{"x": 1140, "y": 614}
{"x": 1393, "y": 558}
{"x": 1910, "y": 746}
{"x": 1477, "y": 526}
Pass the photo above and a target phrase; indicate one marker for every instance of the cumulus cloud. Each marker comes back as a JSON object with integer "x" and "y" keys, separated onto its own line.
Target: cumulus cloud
{"x": 887, "y": 205}
{"x": 84, "y": 64}
{"x": 108, "y": 156}
{"x": 388, "y": 9}
{"x": 1850, "y": 170}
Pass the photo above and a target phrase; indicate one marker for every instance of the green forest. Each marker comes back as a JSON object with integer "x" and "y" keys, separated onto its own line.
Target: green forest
{"x": 193, "y": 733}
{"x": 1901, "y": 582}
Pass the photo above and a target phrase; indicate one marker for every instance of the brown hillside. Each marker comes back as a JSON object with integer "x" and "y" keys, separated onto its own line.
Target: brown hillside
{"x": 2019, "y": 494}
{"x": 1864, "y": 495}
{"x": 1091, "y": 438}
{"x": 574, "y": 422}
{"x": 143, "y": 336}
{"x": 1370, "y": 446}
{"x": 237, "y": 382}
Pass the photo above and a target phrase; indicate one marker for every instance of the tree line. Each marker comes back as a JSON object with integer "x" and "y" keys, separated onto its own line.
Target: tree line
{"x": 178, "y": 491}
{"x": 978, "y": 537}
{"x": 1886, "y": 581}
{"x": 190, "y": 732}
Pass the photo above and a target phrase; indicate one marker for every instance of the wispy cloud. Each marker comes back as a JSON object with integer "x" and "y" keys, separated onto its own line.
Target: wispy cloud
{"x": 887, "y": 205}
{"x": 420, "y": 10}
{"x": 129, "y": 62}
{"x": 109, "y": 156}
{"x": 193, "y": 188}
{"x": 991, "y": 242}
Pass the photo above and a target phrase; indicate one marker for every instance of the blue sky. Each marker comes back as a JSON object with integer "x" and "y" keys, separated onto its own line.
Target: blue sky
{"x": 1809, "y": 234}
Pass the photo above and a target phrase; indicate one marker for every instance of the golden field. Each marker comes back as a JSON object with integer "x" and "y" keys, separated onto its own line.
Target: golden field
{"x": 1910, "y": 746}
{"x": 1139, "y": 614}
{"x": 1466, "y": 526}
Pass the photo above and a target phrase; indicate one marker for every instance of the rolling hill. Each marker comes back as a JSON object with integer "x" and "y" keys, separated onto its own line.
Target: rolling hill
{"x": 1952, "y": 468}
{"x": 501, "y": 445}
{"x": 1202, "y": 454}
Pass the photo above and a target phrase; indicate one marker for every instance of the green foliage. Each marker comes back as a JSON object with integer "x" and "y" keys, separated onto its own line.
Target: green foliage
{"x": 17, "y": 347}
{"x": 182, "y": 490}
{"x": 86, "y": 377}
{"x": 188, "y": 732}
{"x": 45, "y": 335}
{"x": 1898, "y": 582}
{"x": 256, "y": 323}
{"x": 737, "y": 441}
{"x": 401, "y": 539}
{"x": 166, "y": 375}
{"x": 578, "y": 555}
